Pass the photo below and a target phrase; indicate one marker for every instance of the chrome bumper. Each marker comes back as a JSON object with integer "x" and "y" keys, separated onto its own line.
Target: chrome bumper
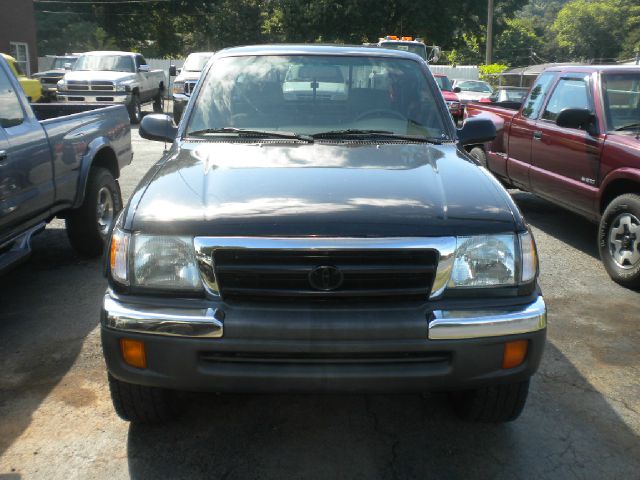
{"x": 461, "y": 324}
{"x": 195, "y": 323}
{"x": 207, "y": 323}
{"x": 94, "y": 97}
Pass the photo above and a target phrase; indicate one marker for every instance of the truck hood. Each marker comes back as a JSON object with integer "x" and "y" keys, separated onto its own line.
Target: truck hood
{"x": 450, "y": 96}
{"x": 287, "y": 189}
{"x": 472, "y": 96}
{"x": 92, "y": 76}
{"x": 188, "y": 76}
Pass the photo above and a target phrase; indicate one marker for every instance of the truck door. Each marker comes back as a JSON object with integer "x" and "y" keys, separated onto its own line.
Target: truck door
{"x": 521, "y": 132}
{"x": 26, "y": 175}
{"x": 566, "y": 160}
{"x": 144, "y": 76}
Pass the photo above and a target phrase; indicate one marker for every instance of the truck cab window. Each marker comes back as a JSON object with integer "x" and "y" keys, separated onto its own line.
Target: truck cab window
{"x": 533, "y": 103}
{"x": 569, "y": 93}
{"x": 11, "y": 113}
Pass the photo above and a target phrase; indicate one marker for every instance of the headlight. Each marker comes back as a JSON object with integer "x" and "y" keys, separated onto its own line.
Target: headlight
{"x": 484, "y": 261}
{"x": 120, "y": 87}
{"x": 164, "y": 262}
{"x": 61, "y": 85}
{"x": 119, "y": 256}
{"x": 494, "y": 260}
{"x": 529, "y": 257}
{"x": 153, "y": 261}
{"x": 178, "y": 87}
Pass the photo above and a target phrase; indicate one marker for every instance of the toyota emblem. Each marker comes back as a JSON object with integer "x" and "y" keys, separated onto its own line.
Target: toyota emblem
{"x": 325, "y": 278}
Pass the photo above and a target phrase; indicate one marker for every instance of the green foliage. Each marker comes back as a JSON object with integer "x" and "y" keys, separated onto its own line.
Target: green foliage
{"x": 523, "y": 32}
{"x": 488, "y": 72}
{"x": 588, "y": 29}
{"x": 517, "y": 42}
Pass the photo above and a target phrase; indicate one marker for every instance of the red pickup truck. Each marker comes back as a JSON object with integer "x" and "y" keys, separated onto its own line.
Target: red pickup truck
{"x": 575, "y": 141}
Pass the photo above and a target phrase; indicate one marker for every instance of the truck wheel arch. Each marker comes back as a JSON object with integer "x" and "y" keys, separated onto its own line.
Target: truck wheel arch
{"x": 618, "y": 183}
{"x": 100, "y": 154}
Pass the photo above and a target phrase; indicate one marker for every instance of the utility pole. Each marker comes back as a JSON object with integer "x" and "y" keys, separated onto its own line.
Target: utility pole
{"x": 489, "y": 53}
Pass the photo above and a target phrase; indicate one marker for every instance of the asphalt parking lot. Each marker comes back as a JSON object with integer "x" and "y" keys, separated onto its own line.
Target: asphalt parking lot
{"x": 56, "y": 421}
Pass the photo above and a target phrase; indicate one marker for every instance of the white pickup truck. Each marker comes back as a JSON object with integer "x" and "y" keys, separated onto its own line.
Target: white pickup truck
{"x": 114, "y": 77}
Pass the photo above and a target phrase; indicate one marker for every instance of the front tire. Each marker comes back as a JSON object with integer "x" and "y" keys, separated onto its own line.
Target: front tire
{"x": 135, "y": 110}
{"x": 619, "y": 240}
{"x": 158, "y": 103}
{"x": 141, "y": 404}
{"x": 478, "y": 154}
{"x": 495, "y": 404}
{"x": 89, "y": 226}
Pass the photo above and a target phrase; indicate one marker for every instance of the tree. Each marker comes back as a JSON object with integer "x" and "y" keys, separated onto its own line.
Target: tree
{"x": 591, "y": 29}
{"x": 517, "y": 44}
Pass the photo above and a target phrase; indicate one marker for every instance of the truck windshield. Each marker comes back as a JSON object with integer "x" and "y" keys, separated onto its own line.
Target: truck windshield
{"x": 621, "y": 93}
{"x": 103, "y": 63}
{"x": 411, "y": 47}
{"x": 59, "y": 63}
{"x": 196, "y": 62}
{"x": 317, "y": 94}
{"x": 444, "y": 83}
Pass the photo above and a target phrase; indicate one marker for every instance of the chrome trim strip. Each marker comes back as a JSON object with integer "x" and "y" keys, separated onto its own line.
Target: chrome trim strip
{"x": 460, "y": 324}
{"x": 193, "y": 323}
{"x": 446, "y": 246}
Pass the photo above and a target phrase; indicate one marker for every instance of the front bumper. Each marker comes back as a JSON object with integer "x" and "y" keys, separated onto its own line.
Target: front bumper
{"x": 271, "y": 348}
{"x": 94, "y": 97}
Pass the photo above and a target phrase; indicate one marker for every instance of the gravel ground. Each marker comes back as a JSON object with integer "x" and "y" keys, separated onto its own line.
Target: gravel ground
{"x": 582, "y": 419}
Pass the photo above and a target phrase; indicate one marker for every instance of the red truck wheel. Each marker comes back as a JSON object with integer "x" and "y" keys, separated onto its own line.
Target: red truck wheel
{"x": 479, "y": 154}
{"x": 619, "y": 240}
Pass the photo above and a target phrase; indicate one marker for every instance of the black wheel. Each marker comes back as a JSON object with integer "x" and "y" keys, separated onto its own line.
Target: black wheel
{"x": 89, "y": 226}
{"x": 135, "y": 110}
{"x": 478, "y": 154}
{"x": 140, "y": 404}
{"x": 158, "y": 102}
{"x": 177, "y": 112}
{"x": 619, "y": 240}
{"x": 495, "y": 404}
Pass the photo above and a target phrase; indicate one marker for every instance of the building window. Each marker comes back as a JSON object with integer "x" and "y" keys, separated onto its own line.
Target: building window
{"x": 20, "y": 51}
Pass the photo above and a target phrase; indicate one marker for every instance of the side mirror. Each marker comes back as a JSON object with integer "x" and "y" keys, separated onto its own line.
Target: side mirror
{"x": 435, "y": 54}
{"x": 476, "y": 130}
{"x": 158, "y": 127}
{"x": 172, "y": 71}
{"x": 67, "y": 66}
{"x": 576, "y": 118}
{"x": 143, "y": 68}
{"x": 457, "y": 90}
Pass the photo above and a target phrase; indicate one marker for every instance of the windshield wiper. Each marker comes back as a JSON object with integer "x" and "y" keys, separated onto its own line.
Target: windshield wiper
{"x": 631, "y": 126}
{"x": 242, "y": 132}
{"x": 376, "y": 134}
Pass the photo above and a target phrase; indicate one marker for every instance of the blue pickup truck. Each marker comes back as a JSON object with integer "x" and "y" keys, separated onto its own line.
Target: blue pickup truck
{"x": 58, "y": 161}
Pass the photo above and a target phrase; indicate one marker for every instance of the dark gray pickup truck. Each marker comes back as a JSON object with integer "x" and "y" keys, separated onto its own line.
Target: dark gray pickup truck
{"x": 317, "y": 226}
{"x": 58, "y": 160}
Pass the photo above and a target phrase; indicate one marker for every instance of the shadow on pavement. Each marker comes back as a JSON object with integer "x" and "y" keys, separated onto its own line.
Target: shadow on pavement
{"x": 48, "y": 306}
{"x": 553, "y": 220}
{"x": 567, "y": 430}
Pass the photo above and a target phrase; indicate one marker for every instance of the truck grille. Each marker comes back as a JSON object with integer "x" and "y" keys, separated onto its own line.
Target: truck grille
{"x": 83, "y": 85}
{"x": 189, "y": 87}
{"x": 244, "y": 274}
{"x": 51, "y": 80}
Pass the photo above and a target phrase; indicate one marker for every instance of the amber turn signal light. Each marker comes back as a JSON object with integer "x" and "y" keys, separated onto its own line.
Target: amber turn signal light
{"x": 133, "y": 352}
{"x": 514, "y": 353}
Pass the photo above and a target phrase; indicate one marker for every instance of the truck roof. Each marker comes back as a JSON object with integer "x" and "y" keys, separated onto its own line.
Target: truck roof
{"x": 109, "y": 52}
{"x": 592, "y": 68}
{"x": 306, "y": 49}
